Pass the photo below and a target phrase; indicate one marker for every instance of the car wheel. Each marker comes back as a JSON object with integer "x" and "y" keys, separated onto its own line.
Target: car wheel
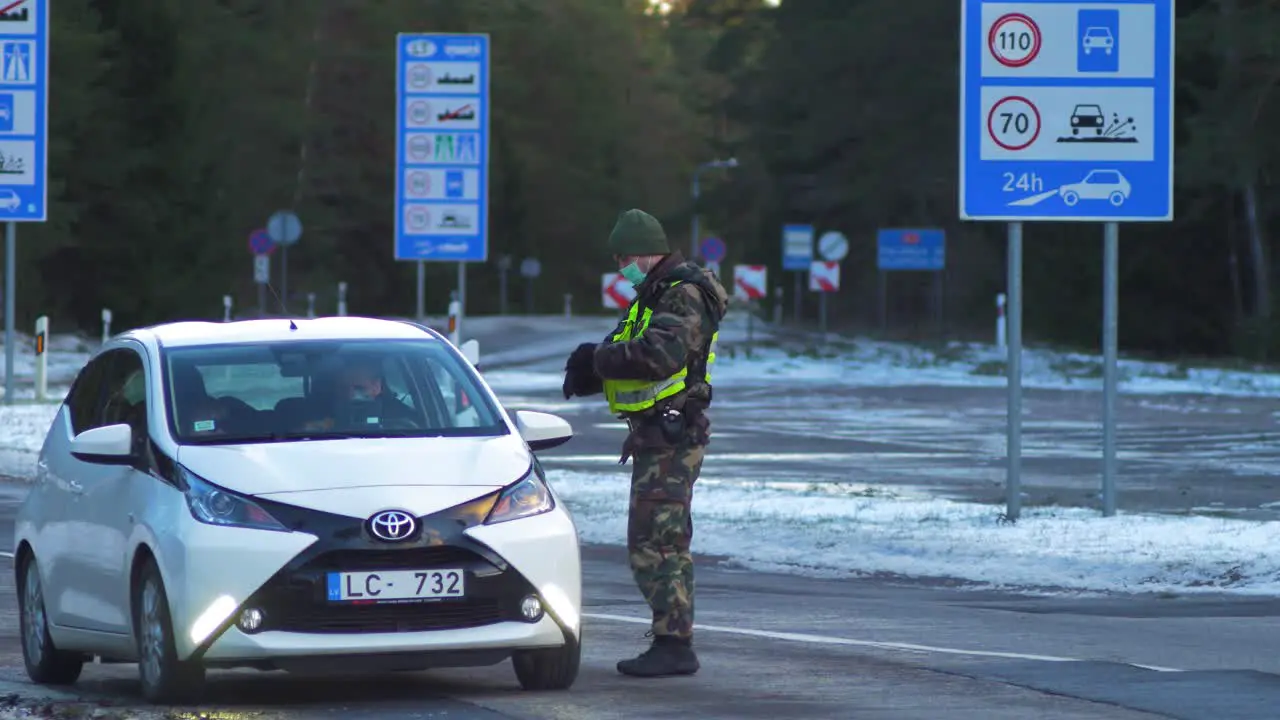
{"x": 1070, "y": 198}
{"x": 1116, "y": 198}
{"x": 549, "y": 669}
{"x": 165, "y": 678}
{"x": 46, "y": 664}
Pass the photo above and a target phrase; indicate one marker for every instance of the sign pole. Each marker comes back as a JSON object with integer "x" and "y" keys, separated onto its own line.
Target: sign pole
{"x": 1013, "y": 483}
{"x": 422, "y": 291}
{"x": 10, "y": 300}
{"x": 1110, "y": 342}
{"x": 462, "y": 295}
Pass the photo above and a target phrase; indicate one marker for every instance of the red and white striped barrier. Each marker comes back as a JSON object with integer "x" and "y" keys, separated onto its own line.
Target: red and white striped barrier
{"x": 750, "y": 282}
{"x": 824, "y": 276}
{"x": 616, "y": 292}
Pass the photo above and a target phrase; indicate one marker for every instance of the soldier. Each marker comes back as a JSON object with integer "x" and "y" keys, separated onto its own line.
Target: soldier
{"x": 653, "y": 370}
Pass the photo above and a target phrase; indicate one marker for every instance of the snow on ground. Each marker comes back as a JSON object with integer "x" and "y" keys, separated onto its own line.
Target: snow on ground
{"x": 840, "y": 530}
{"x": 875, "y": 363}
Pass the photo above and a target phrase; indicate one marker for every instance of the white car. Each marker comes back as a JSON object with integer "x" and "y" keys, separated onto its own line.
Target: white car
{"x": 208, "y": 496}
{"x": 1098, "y": 37}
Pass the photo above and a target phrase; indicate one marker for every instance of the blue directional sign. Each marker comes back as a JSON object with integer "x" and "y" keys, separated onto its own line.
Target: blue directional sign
{"x": 24, "y": 110}
{"x": 797, "y": 247}
{"x": 1066, "y": 110}
{"x": 442, "y": 147}
{"x": 907, "y": 249}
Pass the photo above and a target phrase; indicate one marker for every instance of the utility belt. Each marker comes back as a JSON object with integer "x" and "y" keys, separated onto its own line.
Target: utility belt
{"x": 671, "y": 423}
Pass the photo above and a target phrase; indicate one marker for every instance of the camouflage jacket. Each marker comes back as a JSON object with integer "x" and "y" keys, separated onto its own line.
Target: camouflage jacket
{"x": 679, "y": 332}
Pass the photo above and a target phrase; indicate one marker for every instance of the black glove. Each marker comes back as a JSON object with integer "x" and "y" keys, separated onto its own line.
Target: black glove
{"x": 579, "y": 372}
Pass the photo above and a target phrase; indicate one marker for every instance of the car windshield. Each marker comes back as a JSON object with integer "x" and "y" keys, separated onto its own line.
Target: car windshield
{"x": 280, "y": 392}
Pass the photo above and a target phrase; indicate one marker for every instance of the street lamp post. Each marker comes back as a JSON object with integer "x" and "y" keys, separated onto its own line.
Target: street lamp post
{"x": 693, "y": 236}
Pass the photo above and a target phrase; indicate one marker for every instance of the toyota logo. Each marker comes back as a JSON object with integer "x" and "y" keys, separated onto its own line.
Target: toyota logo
{"x": 393, "y": 525}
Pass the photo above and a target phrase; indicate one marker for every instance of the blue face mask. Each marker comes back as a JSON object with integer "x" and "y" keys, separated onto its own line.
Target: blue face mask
{"x": 633, "y": 274}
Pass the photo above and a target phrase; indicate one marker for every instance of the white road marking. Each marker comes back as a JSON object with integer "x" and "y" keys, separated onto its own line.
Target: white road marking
{"x": 823, "y": 640}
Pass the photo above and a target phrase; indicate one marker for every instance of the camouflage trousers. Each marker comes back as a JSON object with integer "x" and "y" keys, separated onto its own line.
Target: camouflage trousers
{"x": 659, "y": 531}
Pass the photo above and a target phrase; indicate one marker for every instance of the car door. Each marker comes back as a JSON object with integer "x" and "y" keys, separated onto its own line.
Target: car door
{"x": 101, "y": 510}
{"x": 65, "y": 480}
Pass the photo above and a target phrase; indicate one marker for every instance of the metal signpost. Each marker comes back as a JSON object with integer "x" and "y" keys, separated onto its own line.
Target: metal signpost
{"x": 1066, "y": 114}
{"x": 797, "y": 254}
{"x": 442, "y": 150}
{"x": 833, "y": 246}
{"x": 24, "y": 123}
{"x": 906, "y": 249}
{"x": 261, "y": 245}
{"x": 530, "y": 269}
{"x": 713, "y": 251}
{"x": 284, "y": 228}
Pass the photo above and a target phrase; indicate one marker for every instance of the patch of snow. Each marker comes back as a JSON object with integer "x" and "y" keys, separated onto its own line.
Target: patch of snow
{"x": 839, "y": 530}
{"x": 866, "y": 363}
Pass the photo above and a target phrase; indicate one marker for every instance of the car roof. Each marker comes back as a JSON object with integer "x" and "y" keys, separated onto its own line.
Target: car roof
{"x": 187, "y": 333}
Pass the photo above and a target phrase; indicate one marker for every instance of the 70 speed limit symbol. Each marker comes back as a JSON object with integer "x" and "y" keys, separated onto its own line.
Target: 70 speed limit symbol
{"x": 1013, "y": 123}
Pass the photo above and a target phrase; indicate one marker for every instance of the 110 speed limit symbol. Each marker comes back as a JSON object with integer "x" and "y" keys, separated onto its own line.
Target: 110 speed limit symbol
{"x": 1013, "y": 123}
{"x": 1014, "y": 40}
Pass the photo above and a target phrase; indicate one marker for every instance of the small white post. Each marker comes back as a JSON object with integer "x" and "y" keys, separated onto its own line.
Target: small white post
{"x": 342, "y": 299}
{"x": 311, "y": 304}
{"x": 568, "y": 305}
{"x": 1002, "y": 326}
{"x": 226, "y": 308}
{"x": 42, "y": 358}
{"x": 106, "y": 325}
{"x": 455, "y": 309}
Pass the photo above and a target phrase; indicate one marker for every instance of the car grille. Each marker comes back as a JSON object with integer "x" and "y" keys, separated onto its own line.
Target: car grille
{"x": 444, "y": 615}
{"x": 295, "y": 600}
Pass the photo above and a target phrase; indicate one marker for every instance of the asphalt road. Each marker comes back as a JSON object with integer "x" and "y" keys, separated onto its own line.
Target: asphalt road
{"x": 786, "y": 647}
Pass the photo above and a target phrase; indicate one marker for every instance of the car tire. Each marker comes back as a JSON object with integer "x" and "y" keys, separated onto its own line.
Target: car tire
{"x": 550, "y": 668}
{"x": 165, "y": 679}
{"x": 1070, "y": 198}
{"x": 46, "y": 664}
{"x": 1116, "y": 198}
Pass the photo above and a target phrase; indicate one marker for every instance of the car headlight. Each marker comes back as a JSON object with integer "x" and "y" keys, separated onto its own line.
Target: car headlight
{"x": 213, "y": 505}
{"x": 526, "y": 497}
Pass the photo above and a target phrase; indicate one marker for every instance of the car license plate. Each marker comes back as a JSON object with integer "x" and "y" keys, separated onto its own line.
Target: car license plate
{"x": 396, "y": 585}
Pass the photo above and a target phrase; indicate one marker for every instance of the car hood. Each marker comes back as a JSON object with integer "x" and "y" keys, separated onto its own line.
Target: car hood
{"x": 260, "y": 469}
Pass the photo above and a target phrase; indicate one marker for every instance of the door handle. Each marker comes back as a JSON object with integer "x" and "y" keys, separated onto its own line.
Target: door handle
{"x": 75, "y": 487}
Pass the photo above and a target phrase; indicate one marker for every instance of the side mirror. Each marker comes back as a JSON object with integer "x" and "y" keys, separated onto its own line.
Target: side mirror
{"x": 542, "y": 430}
{"x": 471, "y": 351}
{"x": 109, "y": 444}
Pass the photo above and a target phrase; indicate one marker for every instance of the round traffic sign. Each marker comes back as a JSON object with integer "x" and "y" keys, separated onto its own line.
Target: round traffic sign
{"x": 418, "y": 217}
{"x": 419, "y": 184}
{"x": 713, "y": 249}
{"x": 420, "y": 112}
{"x": 1013, "y": 123}
{"x": 530, "y": 267}
{"x": 833, "y": 245}
{"x": 284, "y": 227}
{"x": 420, "y": 76}
{"x": 260, "y": 243}
{"x": 1014, "y": 40}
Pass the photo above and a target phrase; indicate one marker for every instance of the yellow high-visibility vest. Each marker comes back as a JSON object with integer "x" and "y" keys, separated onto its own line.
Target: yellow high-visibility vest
{"x": 629, "y": 396}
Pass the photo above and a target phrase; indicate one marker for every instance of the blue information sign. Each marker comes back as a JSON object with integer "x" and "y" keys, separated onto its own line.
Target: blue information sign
{"x": 442, "y": 147}
{"x": 906, "y": 249}
{"x": 1066, "y": 110}
{"x": 24, "y": 110}
{"x": 797, "y": 247}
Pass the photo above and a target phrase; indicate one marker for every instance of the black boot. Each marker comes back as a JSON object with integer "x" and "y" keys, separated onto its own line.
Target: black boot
{"x": 666, "y": 656}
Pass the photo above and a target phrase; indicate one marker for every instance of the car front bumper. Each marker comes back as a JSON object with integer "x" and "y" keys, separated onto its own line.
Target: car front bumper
{"x": 503, "y": 564}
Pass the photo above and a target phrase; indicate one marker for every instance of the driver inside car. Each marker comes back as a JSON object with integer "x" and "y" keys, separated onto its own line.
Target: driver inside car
{"x": 362, "y": 401}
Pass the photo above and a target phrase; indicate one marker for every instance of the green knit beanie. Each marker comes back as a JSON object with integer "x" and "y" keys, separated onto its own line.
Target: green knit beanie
{"x": 638, "y": 233}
